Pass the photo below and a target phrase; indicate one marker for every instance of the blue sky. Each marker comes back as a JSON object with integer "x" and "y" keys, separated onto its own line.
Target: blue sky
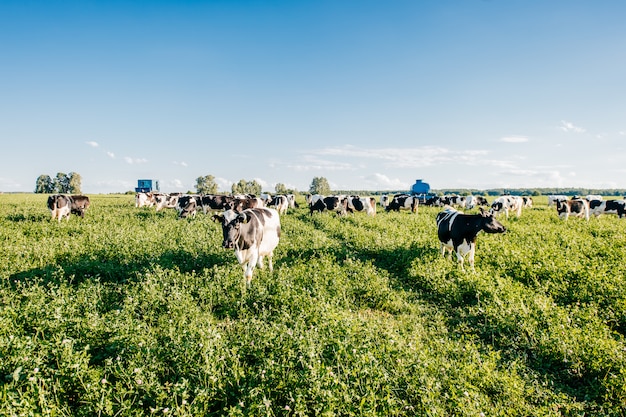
{"x": 369, "y": 94}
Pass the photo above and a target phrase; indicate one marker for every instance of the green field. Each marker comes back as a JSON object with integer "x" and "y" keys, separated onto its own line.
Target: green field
{"x": 130, "y": 312}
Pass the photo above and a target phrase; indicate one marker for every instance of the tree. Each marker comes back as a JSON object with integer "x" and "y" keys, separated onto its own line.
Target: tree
{"x": 74, "y": 183}
{"x": 61, "y": 183}
{"x": 44, "y": 185}
{"x": 206, "y": 185}
{"x": 319, "y": 185}
{"x": 280, "y": 188}
{"x": 247, "y": 187}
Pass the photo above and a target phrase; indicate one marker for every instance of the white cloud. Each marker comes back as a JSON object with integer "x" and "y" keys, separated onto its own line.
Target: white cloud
{"x": 570, "y": 127}
{"x": 514, "y": 139}
{"x": 223, "y": 184}
{"x": 405, "y": 157}
{"x": 111, "y": 155}
{"x": 176, "y": 184}
{"x": 133, "y": 161}
{"x": 182, "y": 163}
{"x": 377, "y": 181}
{"x": 92, "y": 143}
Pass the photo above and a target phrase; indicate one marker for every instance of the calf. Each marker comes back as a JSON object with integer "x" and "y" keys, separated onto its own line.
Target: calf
{"x": 578, "y": 207}
{"x": 457, "y": 232}
{"x": 253, "y": 234}
{"x": 60, "y": 206}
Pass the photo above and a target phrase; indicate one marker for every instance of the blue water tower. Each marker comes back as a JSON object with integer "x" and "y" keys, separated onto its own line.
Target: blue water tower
{"x": 146, "y": 186}
{"x": 420, "y": 187}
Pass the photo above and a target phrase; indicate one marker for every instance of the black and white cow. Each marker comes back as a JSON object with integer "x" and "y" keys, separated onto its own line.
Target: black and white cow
{"x": 280, "y": 203}
{"x": 215, "y": 202}
{"x": 319, "y": 203}
{"x": 453, "y": 201}
{"x": 187, "y": 205}
{"x": 60, "y": 206}
{"x": 506, "y": 204}
{"x": 243, "y": 202}
{"x": 403, "y": 202}
{"x": 356, "y": 203}
{"x": 164, "y": 201}
{"x": 292, "y": 201}
{"x": 80, "y": 203}
{"x": 144, "y": 200}
{"x": 253, "y": 234}
{"x": 578, "y": 207}
{"x": 384, "y": 201}
{"x": 528, "y": 201}
{"x": 598, "y": 207}
{"x": 553, "y": 198}
{"x": 457, "y": 232}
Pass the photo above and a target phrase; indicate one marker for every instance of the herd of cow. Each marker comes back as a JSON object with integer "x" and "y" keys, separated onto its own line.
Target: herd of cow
{"x": 251, "y": 225}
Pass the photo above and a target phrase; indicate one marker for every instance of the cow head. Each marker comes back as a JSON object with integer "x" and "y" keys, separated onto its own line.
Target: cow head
{"x": 231, "y": 223}
{"x": 490, "y": 224}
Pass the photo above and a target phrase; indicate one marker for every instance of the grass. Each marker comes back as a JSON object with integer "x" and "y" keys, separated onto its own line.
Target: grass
{"x": 131, "y": 312}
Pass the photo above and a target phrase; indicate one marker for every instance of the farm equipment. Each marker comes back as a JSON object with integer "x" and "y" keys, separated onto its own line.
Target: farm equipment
{"x": 146, "y": 186}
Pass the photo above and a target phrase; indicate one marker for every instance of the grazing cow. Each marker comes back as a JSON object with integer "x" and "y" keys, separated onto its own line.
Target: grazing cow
{"x": 320, "y": 203}
{"x": 506, "y": 204}
{"x": 292, "y": 201}
{"x": 590, "y": 197}
{"x": 454, "y": 201}
{"x": 80, "y": 203}
{"x": 578, "y": 208}
{"x": 144, "y": 200}
{"x": 166, "y": 200}
{"x": 552, "y": 199}
{"x": 253, "y": 234}
{"x": 403, "y": 202}
{"x": 598, "y": 207}
{"x": 187, "y": 205}
{"x": 280, "y": 203}
{"x": 528, "y": 201}
{"x": 457, "y": 232}
{"x": 211, "y": 202}
{"x": 60, "y": 206}
{"x": 355, "y": 203}
{"x": 241, "y": 202}
{"x": 384, "y": 200}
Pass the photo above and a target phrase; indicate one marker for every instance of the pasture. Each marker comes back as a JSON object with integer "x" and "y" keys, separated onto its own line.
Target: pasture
{"x": 130, "y": 312}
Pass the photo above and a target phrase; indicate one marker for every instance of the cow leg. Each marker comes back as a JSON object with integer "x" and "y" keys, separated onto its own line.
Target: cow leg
{"x": 460, "y": 259}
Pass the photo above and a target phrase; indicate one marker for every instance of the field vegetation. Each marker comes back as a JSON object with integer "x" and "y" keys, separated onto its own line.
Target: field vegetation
{"x": 130, "y": 312}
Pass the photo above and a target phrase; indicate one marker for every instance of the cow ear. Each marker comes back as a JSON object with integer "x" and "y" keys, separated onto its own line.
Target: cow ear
{"x": 243, "y": 218}
{"x": 217, "y": 218}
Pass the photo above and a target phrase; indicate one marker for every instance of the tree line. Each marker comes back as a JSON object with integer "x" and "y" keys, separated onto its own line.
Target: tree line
{"x": 71, "y": 184}
{"x": 62, "y": 184}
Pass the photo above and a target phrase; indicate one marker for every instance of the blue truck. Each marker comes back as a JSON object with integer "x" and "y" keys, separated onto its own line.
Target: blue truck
{"x": 146, "y": 186}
